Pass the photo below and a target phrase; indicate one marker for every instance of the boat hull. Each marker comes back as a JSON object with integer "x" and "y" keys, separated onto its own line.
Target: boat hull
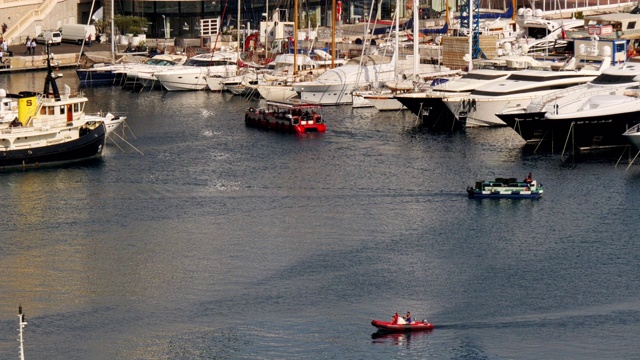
{"x": 89, "y": 144}
{"x": 182, "y": 82}
{"x": 387, "y": 326}
{"x": 474, "y": 194}
{"x": 530, "y": 126}
{"x": 432, "y": 111}
{"x": 325, "y": 94}
{"x": 90, "y": 77}
{"x": 276, "y": 93}
{"x": 584, "y": 134}
{"x": 384, "y": 103}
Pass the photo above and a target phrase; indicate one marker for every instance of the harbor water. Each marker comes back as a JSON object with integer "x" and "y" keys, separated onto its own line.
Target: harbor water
{"x": 226, "y": 242}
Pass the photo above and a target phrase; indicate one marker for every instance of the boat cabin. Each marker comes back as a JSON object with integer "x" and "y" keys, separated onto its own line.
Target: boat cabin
{"x": 289, "y": 117}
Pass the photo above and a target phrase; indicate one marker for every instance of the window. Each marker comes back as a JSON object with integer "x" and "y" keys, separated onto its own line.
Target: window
{"x": 191, "y": 7}
{"x": 166, "y": 7}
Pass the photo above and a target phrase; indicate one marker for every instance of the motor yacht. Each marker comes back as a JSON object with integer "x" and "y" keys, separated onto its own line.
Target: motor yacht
{"x": 518, "y": 90}
{"x": 194, "y": 73}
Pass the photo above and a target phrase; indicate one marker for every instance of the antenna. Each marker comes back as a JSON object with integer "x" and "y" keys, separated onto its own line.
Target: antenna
{"x": 22, "y": 322}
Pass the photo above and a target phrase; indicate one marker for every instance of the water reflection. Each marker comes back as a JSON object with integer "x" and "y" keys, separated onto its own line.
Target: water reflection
{"x": 398, "y": 338}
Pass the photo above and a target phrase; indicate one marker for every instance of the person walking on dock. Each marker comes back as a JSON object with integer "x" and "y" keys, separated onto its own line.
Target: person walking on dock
{"x": 28, "y": 44}
{"x": 33, "y": 46}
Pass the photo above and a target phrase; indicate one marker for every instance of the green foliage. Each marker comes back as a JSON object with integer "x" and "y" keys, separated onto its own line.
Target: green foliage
{"x": 304, "y": 22}
{"x": 130, "y": 24}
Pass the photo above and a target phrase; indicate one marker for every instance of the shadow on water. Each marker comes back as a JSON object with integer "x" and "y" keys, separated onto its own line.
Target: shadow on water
{"x": 620, "y": 156}
{"x": 83, "y": 164}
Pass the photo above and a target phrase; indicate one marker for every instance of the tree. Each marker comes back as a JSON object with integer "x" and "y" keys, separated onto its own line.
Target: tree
{"x": 130, "y": 24}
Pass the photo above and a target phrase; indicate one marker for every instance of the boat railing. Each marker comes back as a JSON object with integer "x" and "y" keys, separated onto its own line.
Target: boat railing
{"x": 20, "y": 130}
{"x": 547, "y": 99}
{"x": 539, "y": 104}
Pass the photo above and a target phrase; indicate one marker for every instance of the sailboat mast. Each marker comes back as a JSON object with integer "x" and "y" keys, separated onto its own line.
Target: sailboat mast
{"x": 416, "y": 39}
{"x": 333, "y": 33}
{"x": 22, "y": 323}
{"x": 113, "y": 37}
{"x": 295, "y": 38}
{"x": 239, "y": 49}
{"x": 470, "y": 66}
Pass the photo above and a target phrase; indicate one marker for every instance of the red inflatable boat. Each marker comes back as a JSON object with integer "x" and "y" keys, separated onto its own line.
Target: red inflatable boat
{"x": 389, "y": 326}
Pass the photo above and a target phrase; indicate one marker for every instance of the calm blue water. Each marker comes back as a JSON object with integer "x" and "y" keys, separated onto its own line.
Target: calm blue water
{"x": 223, "y": 242}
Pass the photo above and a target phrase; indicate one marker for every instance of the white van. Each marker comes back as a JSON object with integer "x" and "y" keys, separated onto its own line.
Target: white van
{"x": 77, "y": 32}
{"x": 49, "y": 36}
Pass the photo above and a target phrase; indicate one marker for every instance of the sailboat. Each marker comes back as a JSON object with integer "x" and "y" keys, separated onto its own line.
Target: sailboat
{"x": 384, "y": 98}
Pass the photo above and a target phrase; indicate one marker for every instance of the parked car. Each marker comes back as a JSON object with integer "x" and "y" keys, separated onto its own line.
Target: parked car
{"x": 49, "y": 36}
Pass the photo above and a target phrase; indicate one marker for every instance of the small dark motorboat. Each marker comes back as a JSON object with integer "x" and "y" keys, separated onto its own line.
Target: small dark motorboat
{"x": 394, "y": 327}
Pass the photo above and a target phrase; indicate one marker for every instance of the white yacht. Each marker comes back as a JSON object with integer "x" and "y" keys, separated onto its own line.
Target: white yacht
{"x": 142, "y": 74}
{"x": 429, "y": 105}
{"x": 335, "y": 86}
{"x": 518, "y": 90}
{"x": 193, "y": 74}
{"x": 275, "y": 84}
{"x": 537, "y": 33}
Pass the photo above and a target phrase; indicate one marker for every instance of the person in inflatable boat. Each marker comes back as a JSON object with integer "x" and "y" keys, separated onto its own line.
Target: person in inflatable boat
{"x": 408, "y": 318}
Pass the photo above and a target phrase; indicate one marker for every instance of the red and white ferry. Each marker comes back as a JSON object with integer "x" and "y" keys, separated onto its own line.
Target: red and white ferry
{"x": 293, "y": 117}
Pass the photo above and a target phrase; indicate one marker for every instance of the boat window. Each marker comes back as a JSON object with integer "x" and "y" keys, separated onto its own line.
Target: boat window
{"x": 613, "y": 79}
{"x": 542, "y": 87}
{"x": 43, "y": 111}
{"x": 50, "y": 110}
{"x": 482, "y": 76}
{"x": 534, "y": 78}
{"x": 62, "y": 109}
{"x": 537, "y": 33}
{"x": 631, "y": 25}
{"x": 193, "y": 62}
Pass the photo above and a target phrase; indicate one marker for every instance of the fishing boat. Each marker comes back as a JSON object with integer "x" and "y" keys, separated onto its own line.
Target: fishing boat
{"x": 50, "y": 128}
{"x": 388, "y": 326}
{"x": 505, "y": 188}
{"x": 292, "y": 117}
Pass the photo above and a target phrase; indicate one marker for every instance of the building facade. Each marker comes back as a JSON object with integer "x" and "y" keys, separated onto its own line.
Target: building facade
{"x": 182, "y": 18}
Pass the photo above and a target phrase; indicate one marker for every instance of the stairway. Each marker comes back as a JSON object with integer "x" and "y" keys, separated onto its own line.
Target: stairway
{"x": 12, "y": 36}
